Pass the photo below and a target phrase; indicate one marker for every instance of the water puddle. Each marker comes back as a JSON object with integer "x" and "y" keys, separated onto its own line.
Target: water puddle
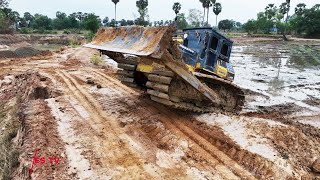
{"x": 278, "y": 72}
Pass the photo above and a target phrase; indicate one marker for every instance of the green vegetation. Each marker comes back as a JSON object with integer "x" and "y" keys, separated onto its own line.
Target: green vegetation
{"x": 217, "y": 8}
{"x": 96, "y": 60}
{"x": 9, "y": 153}
{"x": 226, "y": 24}
{"x": 142, "y": 6}
{"x": 176, "y": 8}
{"x": 273, "y": 20}
{"x": 304, "y": 22}
{"x": 38, "y": 23}
{"x": 89, "y": 36}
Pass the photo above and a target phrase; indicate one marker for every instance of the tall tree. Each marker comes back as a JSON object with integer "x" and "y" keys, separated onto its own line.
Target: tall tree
{"x": 28, "y": 18}
{"x": 41, "y": 22}
{"x": 92, "y": 22}
{"x": 206, "y": 4}
{"x": 176, "y": 8}
{"x": 217, "y": 8}
{"x": 194, "y": 18}
{"x": 211, "y": 3}
{"x": 60, "y": 15}
{"x": 105, "y": 21}
{"x": 181, "y": 21}
{"x": 115, "y": 8}
{"x": 204, "y": 10}
{"x": 3, "y": 3}
{"x": 284, "y": 9}
{"x": 299, "y": 10}
{"x": 226, "y": 24}
{"x": 271, "y": 11}
{"x": 142, "y": 6}
{"x": 285, "y": 29}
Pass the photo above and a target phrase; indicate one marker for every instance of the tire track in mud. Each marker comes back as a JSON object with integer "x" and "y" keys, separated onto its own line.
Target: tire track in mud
{"x": 106, "y": 131}
{"x": 202, "y": 147}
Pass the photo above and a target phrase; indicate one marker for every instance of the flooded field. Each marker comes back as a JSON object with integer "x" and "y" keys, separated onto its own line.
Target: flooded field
{"x": 279, "y": 73}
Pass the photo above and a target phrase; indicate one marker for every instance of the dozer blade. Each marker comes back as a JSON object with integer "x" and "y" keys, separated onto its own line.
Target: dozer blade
{"x": 135, "y": 40}
{"x": 153, "y": 43}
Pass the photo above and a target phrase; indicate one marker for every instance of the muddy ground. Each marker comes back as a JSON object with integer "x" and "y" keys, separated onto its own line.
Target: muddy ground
{"x": 61, "y": 105}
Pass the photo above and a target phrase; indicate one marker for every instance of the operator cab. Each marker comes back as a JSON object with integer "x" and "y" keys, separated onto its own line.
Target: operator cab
{"x": 207, "y": 51}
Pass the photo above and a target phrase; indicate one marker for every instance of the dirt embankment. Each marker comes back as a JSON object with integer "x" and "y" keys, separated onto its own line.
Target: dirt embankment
{"x": 27, "y": 127}
{"x": 23, "y": 52}
{"x": 19, "y": 45}
{"x": 8, "y": 40}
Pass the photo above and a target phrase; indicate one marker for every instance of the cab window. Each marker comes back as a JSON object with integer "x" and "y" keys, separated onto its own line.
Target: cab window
{"x": 214, "y": 43}
{"x": 224, "y": 50}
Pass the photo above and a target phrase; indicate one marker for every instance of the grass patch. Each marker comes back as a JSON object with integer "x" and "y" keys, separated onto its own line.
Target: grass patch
{"x": 89, "y": 36}
{"x": 96, "y": 60}
{"x": 9, "y": 154}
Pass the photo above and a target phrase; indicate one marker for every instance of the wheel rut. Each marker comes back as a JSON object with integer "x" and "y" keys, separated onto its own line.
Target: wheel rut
{"x": 107, "y": 131}
{"x": 176, "y": 125}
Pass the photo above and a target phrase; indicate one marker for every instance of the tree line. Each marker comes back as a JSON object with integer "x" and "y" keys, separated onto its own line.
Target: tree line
{"x": 77, "y": 21}
{"x": 304, "y": 22}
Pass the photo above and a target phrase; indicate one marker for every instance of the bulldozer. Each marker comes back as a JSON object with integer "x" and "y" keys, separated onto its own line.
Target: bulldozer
{"x": 194, "y": 74}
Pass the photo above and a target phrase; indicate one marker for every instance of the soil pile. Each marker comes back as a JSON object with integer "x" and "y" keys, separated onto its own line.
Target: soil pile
{"x": 7, "y": 54}
{"x": 26, "y": 52}
{"x": 23, "y": 52}
{"x": 10, "y": 40}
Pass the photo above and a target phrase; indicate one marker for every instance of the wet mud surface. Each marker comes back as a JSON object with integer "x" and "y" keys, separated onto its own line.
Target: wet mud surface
{"x": 103, "y": 129}
{"x": 279, "y": 73}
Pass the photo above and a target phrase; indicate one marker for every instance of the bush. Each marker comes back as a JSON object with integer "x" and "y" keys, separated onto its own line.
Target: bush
{"x": 89, "y": 36}
{"x": 96, "y": 60}
{"x": 25, "y": 30}
{"x": 66, "y": 32}
{"x": 74, "y": 42}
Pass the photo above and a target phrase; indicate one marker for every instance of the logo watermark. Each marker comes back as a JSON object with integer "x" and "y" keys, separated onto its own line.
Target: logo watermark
{"x": 43, "y": 160}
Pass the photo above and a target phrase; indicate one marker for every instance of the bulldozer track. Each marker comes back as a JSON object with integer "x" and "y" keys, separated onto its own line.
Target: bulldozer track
{"x": 126, "y": 75}
{"x": 237, "y": 92}
{"x": 99, "y": 121}
{"x": 178, "y": 126}
{"x": 159, "y": 82}
{"x": 158, "y": 87}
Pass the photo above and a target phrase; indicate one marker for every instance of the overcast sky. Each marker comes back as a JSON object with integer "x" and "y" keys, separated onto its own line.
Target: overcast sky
{"x": 239, "y": 10}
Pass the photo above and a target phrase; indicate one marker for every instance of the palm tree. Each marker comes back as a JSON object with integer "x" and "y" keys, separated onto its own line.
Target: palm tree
{"x": 206, "y": 4}
{"x": 211, "y": 2}
{"x": 217, "y": 8}
{"x": 176, "y": 8}
{"x": 285, "y": 29}
{"x": 115, "y": 9}
{"x": 204, "y": 10}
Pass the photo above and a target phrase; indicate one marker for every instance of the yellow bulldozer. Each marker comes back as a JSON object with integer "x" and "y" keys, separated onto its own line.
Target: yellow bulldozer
{"x": 193, "y": 75}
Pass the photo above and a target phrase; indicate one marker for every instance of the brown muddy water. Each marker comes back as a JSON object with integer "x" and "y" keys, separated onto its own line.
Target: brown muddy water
{"x": 279, "y": 73}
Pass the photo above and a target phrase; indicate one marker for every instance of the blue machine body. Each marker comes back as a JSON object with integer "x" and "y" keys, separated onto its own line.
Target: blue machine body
{"x": 206, "y": 46}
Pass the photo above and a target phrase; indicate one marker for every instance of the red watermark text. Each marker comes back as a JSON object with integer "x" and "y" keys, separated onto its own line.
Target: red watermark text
{"x": 43, "y": 160}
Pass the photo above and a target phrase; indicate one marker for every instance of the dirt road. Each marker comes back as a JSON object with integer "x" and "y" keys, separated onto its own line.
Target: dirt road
{"x": 102, "y": 129}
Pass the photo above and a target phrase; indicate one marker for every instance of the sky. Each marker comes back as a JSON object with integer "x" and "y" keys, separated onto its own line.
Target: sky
{"x": 238, "y": 10}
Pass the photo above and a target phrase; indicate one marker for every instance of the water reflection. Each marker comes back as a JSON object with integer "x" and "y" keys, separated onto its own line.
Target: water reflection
{"x": 298, "y": 55}
{"x": 285, "y": 72}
